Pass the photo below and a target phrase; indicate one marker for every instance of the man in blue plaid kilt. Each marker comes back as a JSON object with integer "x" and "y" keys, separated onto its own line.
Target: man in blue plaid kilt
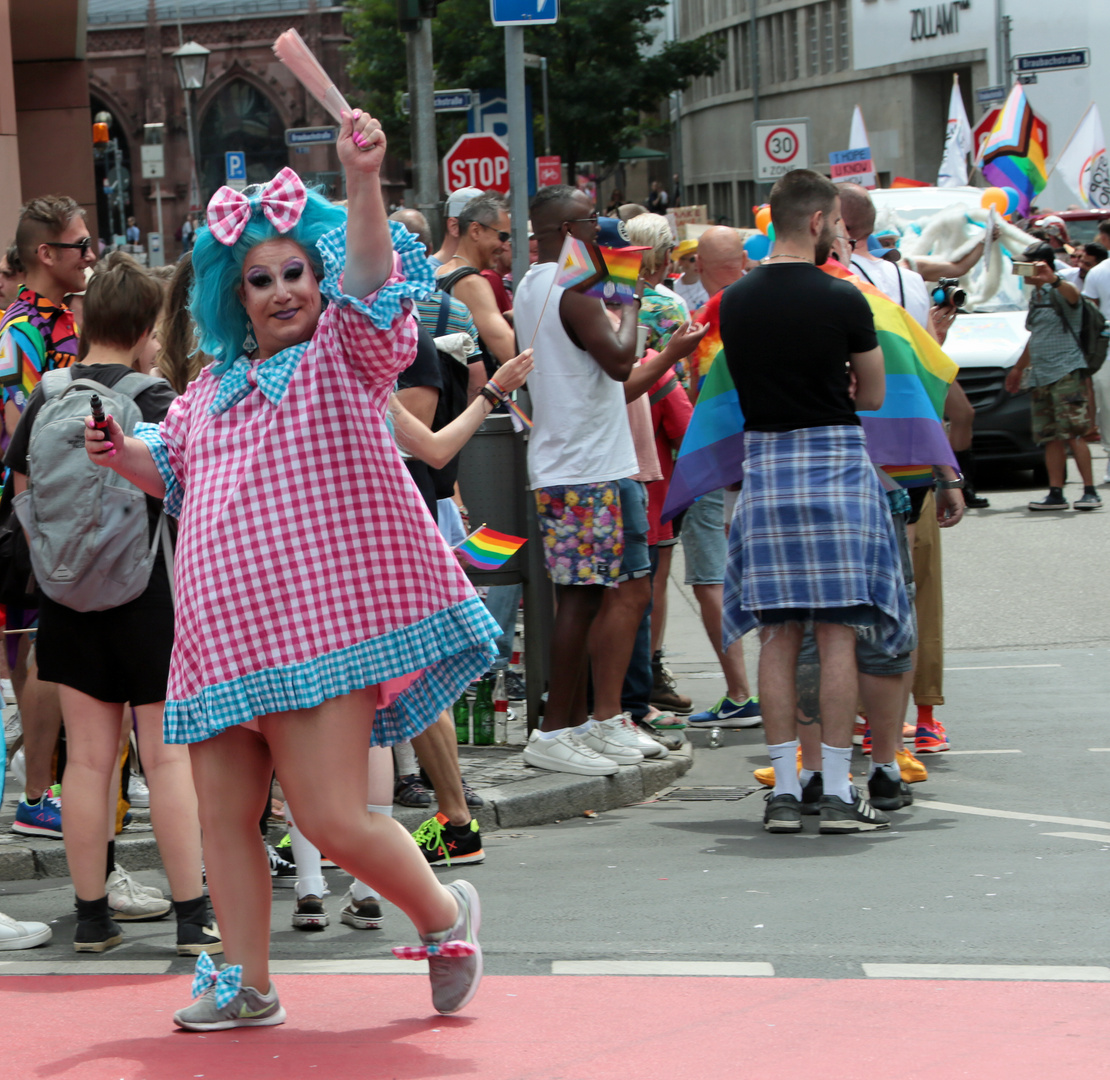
{"x": 813, "y": 542}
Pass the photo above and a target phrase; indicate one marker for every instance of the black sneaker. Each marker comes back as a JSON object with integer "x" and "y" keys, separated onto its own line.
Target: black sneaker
{"x": 811, "y": 794}
{"x": 442, "y": 843}
{"x": 783, "y": 813}
{"x": 309, "y": 913}
{"x": 1089, "y": 501}
{"x": 283, "y": 875}
{"x": 888, "y": 794}
{"x": 514, "y": 686}
{"x": 1054, "y": 500}
{"x": 974, "y": 501}
{"x": 473, "y": 799}
{"x": 409, "y": 791}
{"x": 838, "y": 816}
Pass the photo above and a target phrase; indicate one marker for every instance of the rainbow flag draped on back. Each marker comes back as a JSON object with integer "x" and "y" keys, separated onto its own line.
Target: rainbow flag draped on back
{"x": 1015, "y": 151}
{"x": 906, "y": 432}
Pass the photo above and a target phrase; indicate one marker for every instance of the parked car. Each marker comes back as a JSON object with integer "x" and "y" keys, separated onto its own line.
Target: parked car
{"x": 985, "y": 343}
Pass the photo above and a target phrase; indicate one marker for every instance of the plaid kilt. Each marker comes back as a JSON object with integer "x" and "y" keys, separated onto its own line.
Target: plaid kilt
{"x": 812, "y": 529}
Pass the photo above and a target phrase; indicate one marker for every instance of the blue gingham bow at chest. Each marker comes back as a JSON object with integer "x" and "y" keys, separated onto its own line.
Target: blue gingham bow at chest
{"x": 228, "y": 981}
{"x": 272, "y": 377}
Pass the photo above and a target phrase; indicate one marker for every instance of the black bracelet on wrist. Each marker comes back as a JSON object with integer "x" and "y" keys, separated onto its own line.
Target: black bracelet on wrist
{"x": 490, "y": 396}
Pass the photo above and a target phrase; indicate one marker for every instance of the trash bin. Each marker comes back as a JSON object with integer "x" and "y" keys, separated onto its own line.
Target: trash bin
{"x": 493, "y": 480}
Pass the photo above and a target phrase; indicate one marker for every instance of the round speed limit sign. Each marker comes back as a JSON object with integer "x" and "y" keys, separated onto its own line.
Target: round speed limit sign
{"x": 779, "y": 146}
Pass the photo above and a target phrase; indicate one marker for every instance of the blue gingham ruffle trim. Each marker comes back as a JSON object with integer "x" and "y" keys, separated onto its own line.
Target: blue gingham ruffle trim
{"x": 151, "y": 434}
{"x": 453, "y": 646}
{"x": 382, "y": 307}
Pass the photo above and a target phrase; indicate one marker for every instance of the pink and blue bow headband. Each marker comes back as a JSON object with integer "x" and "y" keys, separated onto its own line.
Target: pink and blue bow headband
{"x": 282, "y": 200}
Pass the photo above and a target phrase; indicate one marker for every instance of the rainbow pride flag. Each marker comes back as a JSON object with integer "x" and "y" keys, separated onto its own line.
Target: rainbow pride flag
{"x": 905, "y": 433}
{"x": 485, "y": 549}
{"x": 608, "y": 273}
{"x": 1014, "y": 153}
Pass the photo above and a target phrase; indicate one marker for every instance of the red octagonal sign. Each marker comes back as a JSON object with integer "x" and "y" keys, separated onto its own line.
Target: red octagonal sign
{"x": 477, "y": 160}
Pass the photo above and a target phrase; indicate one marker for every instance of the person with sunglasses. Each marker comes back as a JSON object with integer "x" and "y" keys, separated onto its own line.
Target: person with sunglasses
{"x": 483, "y": 236}
{"x": 38, "y": 333}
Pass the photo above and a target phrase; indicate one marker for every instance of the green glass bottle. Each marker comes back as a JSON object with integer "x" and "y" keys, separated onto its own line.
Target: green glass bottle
{"x": 462, "y": 720}
{"x": 483, "y": 714}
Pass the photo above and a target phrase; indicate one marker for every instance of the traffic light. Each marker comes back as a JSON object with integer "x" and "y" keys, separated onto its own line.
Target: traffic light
{"x": 410, "y": 12}
{"x": 100, "y": 134}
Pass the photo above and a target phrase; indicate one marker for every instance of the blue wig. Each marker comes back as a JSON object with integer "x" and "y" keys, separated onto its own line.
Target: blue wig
{"x": 220, "y": 317}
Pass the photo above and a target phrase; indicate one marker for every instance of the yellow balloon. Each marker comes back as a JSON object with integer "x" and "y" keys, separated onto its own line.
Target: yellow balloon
{"x": 763, "y": 218}
{"x": 997, "y": 198}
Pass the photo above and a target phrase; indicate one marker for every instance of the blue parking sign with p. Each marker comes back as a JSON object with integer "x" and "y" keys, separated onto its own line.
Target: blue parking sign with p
{"x": 523, "y": 12}
{"x": 235, "y": 165}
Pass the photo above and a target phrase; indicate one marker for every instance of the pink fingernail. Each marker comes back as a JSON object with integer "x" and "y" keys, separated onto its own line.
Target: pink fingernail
{"x": 111, "y": 453}
{"x": 356, "y": 114}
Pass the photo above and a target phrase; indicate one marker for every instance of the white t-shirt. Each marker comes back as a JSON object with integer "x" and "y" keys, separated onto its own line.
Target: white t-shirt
{"x": 580, "y": 432}
{"x": 1096, "y": 285}
{"x": 884, "y": 275}
{"x": 694, "y": 294}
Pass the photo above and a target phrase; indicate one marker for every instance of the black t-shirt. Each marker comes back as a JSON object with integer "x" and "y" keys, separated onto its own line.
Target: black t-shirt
{"x": 423, "y": 371}
{"x": 788, "y": 332}
{"x": 154, "y": 403}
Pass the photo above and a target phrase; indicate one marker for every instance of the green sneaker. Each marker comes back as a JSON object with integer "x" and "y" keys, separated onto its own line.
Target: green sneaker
{"x": 444, "y": 844}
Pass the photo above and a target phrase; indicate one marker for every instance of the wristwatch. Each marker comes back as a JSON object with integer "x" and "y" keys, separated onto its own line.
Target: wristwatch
{"x": 957, "y": 483}
{"x": 1055, "y": 284}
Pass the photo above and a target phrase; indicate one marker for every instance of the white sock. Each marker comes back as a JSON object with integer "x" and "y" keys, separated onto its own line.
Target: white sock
{"x": 891, "y": 768}
{"x": 584, "y": 727}
{"x": 552, "y": 734}
{"x": 361, "y": 891}
{"x": 835, "y": 763}
{"x": 404, "y": 757}
{"x": 306, "y": 857}
{"x": 805, "y": 776}
{"x": 783, "y": 758}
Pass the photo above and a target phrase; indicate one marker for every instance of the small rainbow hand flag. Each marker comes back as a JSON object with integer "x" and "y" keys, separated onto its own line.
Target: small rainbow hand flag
{"x": 608, "y": 273}
{"x": 485, "y": 549}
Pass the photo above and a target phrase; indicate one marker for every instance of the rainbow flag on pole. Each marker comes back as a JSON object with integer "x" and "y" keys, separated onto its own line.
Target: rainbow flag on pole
{"x": 1015, "y": 152}
{"x": 485, "y": 549}
{"x": 906, "y": 433}
{"x": 607, "y": 273}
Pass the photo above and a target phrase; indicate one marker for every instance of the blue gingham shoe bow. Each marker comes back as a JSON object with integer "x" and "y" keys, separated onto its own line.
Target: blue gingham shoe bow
{"x": 228, "y": 981}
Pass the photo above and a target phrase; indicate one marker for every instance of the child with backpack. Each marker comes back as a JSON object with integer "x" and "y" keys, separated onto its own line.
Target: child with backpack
{"x": 99, "y": 550}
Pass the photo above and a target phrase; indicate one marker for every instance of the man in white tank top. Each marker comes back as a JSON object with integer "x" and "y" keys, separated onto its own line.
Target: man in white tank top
{"x": 579, "y": 449}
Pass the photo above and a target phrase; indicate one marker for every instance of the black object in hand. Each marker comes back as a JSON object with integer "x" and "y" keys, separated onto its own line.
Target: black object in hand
{"x": 99, "y": 419}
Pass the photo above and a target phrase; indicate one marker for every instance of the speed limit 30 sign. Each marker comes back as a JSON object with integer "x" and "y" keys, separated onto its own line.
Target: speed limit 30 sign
{"x": 779, "y": 146}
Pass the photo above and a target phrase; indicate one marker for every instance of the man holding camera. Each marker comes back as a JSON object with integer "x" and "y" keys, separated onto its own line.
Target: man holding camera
{"x": 1057, "y": 366}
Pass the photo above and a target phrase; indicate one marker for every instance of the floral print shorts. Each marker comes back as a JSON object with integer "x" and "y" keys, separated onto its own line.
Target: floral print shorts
{"x": 582, "y": 530}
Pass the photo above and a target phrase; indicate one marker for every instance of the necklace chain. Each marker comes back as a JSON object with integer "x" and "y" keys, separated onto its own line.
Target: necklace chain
{"x": 784, "y": 255}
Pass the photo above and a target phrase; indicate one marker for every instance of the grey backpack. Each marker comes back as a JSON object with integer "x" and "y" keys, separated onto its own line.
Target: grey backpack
{"x": 87, "y": 526}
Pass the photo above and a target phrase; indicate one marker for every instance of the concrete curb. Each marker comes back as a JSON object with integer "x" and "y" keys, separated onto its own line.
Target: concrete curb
{"x": 538, "y": 800}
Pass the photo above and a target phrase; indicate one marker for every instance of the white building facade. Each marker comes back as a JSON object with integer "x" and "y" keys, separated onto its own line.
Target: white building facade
{"x": 893, "y": 58}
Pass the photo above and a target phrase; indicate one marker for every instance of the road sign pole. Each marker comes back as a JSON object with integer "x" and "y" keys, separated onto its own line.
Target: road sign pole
{"x": 518, "y": 147}
{"x": 421, "y": 96}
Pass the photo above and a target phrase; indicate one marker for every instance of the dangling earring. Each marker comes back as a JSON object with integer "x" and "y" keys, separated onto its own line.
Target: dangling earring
{"x": 249, "y": 344}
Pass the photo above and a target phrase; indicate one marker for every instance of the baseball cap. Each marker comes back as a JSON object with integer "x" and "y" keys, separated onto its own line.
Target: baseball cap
{"x": 459, "y": 198}
{"x": 612, "y": 233}
{"x": 1040, "y": 252}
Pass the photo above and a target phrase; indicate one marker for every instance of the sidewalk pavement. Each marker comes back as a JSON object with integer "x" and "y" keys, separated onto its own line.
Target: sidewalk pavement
{"x": 516, "y": 796}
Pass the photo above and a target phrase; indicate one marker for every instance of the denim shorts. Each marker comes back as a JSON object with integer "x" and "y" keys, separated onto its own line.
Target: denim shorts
{"x": 635, "y": 562}
{"x": 703, "y": 540}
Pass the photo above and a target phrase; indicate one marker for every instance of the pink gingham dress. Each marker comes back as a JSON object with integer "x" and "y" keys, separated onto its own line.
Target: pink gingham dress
{"x": 307, "y": 564}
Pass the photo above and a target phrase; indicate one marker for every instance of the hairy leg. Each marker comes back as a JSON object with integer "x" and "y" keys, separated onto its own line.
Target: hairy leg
{"x": 438, "y": 751}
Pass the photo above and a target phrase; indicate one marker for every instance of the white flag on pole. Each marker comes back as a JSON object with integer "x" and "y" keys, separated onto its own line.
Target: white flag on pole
{"x": 957, "y": 141}
{"x": 858, "y": 140}
{"x": 1082, "y": 164}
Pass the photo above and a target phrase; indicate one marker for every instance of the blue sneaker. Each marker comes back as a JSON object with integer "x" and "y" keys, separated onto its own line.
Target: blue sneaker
{"x": 728, "y": 714}
{"x": 43, "y": 818}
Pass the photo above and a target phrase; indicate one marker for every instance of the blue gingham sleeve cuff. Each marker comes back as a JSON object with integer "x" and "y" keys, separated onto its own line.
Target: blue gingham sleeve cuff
{"x": 413, "y": 280}
{"x": 151, "y": 435}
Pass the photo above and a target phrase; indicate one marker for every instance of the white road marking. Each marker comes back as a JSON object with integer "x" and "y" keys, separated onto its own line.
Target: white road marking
{"x": 658, "y": 967}
{"x": 1089, "y": 823}
{"x": 349, "y": 967}
{"x": 1099, "y": 749}
{"x": 84, "y": 967}
{"x": 1002, "y": 667}
{"x": 1039, "y": 972}
{"x": 1101, "y": 838}
{"x": 983, "y": 751}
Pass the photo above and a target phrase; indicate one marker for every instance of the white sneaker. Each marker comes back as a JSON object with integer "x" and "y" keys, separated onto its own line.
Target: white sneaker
{"x": 19, "y": 770}
{"x": 647, "y": 746}
{"x": 1106, "y": 475}
{"x": 129, "y": 902}
{"x": 613, "y": 740}
{"x": 150, "y": 890}
{"x": 22, "y": 935}
{"x": 566, "y": 753}
{"x": 138, "y": 794}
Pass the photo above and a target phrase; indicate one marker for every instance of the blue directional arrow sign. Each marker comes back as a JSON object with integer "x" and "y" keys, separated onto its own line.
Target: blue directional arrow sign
{"x": 523, "y": 12}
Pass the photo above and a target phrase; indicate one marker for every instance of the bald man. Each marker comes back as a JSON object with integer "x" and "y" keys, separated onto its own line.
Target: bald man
{"x": 721, "y": 261}
{"x": 416, "y": 223}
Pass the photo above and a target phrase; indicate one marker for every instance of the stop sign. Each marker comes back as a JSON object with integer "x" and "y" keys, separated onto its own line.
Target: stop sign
{"x": 477, "y": 160}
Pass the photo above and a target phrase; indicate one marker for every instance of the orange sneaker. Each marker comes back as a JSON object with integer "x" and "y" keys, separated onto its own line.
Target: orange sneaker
{"x": 913, "y": 772}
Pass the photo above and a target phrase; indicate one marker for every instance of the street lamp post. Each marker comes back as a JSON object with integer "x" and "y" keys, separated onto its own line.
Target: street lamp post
{"x": 191, "y": 61}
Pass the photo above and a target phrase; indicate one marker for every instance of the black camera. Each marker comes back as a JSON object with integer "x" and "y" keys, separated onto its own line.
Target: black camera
{"x": 947, "y": 291}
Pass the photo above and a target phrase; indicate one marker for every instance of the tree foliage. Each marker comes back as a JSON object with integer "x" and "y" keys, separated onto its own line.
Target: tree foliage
{"x": 604, "y": 76}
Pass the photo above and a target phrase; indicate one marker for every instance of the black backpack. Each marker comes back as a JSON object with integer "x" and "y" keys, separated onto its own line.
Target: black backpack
{"x": 1091, "y": 339}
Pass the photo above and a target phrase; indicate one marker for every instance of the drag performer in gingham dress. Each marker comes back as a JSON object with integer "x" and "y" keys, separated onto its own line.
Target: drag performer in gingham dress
{"x": 319, "y": 611}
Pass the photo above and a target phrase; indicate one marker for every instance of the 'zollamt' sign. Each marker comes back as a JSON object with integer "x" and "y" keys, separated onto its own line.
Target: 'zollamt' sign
{"x": 929, "y": 22}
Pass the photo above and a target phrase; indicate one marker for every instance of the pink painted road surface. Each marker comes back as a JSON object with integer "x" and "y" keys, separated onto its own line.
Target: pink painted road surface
{"x": 373, "y": 1027}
